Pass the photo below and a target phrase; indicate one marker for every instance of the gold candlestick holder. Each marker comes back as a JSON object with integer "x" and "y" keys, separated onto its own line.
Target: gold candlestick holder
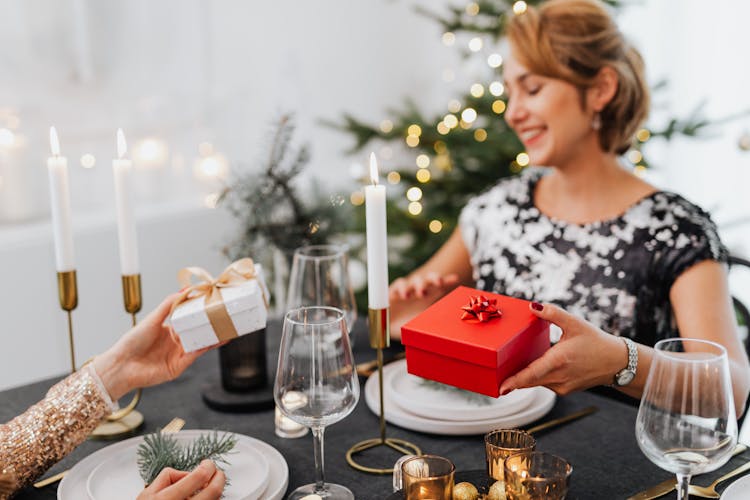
{"x": 379, "y": 323}
{"x": 67, "y": 290}
{"x": 126, "y": 420}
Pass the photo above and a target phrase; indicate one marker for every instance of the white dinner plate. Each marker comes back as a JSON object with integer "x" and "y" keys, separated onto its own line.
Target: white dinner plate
{"x": 422, "y": 398}
{"x": 73, "y": 486}
{"x": 542, "y": 402}
{"x": 117, "y": 477}
{"x": 738, "y": 490}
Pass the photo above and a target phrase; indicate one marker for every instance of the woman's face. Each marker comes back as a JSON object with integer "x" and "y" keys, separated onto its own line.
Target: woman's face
{"x": 547, "y": 116}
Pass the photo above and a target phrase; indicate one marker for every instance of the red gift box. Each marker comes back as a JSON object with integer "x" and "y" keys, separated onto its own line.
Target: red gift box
{"x": 469, "y": 353}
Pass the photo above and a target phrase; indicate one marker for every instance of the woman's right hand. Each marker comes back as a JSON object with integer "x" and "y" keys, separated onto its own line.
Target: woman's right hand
{"x": 413, "y": 294}
{"x": 420, "y": 286}
{"x": 205, "y": 482}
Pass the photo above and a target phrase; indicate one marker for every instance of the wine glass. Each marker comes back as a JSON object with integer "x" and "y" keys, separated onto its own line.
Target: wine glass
{"x": 316, "y": 364}
{"x": 320, "y": 277}
{"x": 686, "y": 422}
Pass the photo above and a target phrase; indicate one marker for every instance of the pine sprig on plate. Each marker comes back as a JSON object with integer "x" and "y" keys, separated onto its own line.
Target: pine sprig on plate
{"x": 160, "y": 450}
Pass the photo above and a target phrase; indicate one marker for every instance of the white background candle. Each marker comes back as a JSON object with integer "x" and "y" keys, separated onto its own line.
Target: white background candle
{"x": 377, "y": 245}
{"x": 59, "y": 193}
{"x": 122, "y": 170}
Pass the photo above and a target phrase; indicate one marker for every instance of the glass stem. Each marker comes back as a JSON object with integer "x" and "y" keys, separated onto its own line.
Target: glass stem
{"x": 319, "y": 471}
{"x": 683, "y": 481}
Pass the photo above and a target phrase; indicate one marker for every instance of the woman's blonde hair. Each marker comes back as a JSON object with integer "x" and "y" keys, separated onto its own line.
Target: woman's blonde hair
{"x": 572, "y": 40}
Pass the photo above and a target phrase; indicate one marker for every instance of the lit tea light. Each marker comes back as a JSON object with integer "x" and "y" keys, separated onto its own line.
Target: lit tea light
{"x": 212, "y": 167}
{"x": 211, "y": 200}
{"x": 285, "y": 426}
{"x": 88, "y": 160}
{"x": 7, "y": 138}
{"x": 150, "y": 152}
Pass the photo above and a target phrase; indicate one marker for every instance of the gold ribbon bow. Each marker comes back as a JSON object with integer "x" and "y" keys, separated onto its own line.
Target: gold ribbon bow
{"x": 235, "y": 274}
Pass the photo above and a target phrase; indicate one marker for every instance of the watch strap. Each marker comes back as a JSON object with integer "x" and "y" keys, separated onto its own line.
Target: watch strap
{"x": 627, "y": 374}
{"x": 632, "y": 354}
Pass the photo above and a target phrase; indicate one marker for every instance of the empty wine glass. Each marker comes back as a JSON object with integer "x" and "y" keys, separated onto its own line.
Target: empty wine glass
{"x": 686, "y": 421}
{"x": 315, "y": 362}
{"x": 320, "y": 277}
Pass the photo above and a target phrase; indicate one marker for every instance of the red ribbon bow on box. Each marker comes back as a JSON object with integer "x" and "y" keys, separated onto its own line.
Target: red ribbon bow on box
{"x": 481, "y": 308}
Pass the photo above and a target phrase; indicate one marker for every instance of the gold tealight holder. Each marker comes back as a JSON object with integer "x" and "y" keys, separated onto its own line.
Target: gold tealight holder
{"x": 67, "y": 290}
{"x": 125, "y": 421}
{"x": 379, "y": 322}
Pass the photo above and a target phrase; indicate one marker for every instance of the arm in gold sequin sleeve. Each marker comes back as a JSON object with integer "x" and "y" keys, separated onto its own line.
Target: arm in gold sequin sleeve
{"x": 37, "y": 439}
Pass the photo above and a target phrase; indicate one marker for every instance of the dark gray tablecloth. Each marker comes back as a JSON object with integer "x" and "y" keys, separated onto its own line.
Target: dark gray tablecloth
{"x": 601, "y": 447}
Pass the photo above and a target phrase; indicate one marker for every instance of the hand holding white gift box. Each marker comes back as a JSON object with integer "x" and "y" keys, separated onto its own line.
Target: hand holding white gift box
{"x": 216, "y": 310}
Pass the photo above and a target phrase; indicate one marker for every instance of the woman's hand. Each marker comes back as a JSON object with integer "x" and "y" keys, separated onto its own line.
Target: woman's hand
{"x": 411, "y": 295}
{"x": 149, "y": 354}
{"x": 584, "y": 357}
{"x": 205, "y": 482}
{"x": 421, "y": 285}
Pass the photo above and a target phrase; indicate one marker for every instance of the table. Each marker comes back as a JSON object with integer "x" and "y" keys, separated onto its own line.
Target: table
{"x": 607, "y": 463}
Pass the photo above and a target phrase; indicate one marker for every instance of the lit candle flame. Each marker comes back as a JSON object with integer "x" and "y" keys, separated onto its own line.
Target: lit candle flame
{"x": 54, "y": 142}
{"x": 122, "y": 146}
{"x": 373, "y": 169}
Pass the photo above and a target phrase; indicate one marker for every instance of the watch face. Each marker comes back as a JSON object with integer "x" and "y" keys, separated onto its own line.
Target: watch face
{"x": 625, "y": 377}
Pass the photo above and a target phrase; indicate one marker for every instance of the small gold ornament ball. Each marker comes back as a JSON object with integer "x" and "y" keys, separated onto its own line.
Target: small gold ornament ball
{"x": 497, "y": 491}
{"x": 465, "y": 491}
{"x": 744, "y": 141}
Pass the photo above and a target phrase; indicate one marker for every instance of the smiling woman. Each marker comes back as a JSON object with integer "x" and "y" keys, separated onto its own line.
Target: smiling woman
{"x": 601, "y": 253}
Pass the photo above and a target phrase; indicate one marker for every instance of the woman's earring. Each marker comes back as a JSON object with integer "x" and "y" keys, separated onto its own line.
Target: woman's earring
{"x": 596, "y": 122}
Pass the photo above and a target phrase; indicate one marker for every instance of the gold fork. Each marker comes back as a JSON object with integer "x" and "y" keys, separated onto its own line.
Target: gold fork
{"x": 710, "y": 490}
{"x": 173, "y": 426}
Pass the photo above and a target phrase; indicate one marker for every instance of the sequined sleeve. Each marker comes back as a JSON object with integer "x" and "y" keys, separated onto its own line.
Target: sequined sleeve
{"x": 37, "y": 439}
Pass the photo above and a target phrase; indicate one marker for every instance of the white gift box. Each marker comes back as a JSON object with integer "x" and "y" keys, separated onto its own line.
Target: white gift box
{"x": 245, "y": 304}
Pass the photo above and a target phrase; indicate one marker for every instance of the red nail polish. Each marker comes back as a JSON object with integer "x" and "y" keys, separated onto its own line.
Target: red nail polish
{"x": 503, "y": 393}
{"x": 537, "y": 306}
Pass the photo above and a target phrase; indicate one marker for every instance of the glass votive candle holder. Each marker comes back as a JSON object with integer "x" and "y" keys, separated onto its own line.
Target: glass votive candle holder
{"x": 397, "y": 478}
{"x": 427, "y": 477}
{"x": 536, "y": 476}
{"x": 285, "y": 426}
{"x": 502, "y": 443}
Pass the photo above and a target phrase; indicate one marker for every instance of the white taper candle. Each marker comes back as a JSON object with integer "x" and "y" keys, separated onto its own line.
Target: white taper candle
{"x": 126, "y": 233}
{"x": 377, "y": 241}
{"x": 59, "y": 192}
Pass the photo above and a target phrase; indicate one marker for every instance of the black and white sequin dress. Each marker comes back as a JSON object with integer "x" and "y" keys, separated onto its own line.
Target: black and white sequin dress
{"x": 615, "y": 273}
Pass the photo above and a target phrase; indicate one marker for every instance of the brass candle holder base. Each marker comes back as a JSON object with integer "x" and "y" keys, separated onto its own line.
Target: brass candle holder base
{"x": 400, "y": 445}
{"x": 379, "y": 322}
{"x": 127, "y": 420}
{"x": 123, "y": 427}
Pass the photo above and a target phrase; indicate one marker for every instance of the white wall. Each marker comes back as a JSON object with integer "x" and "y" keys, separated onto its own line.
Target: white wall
{"x": 183, "y": 72}
{"x": 700, "y": 49}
